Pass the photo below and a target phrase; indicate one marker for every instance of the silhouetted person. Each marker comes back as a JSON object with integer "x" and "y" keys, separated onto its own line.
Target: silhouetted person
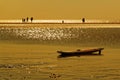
{"x": 31, "y": 19}
{"x": 23, "y": 20}
{"x": 27, "y": 19}
{"x": 83, "y": 20}
{"x": 62, "y": 21}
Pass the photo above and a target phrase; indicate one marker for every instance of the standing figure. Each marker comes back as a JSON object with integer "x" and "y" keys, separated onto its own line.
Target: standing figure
{"x": 83, "y": 20}
{"x": 23, "y": 20}
{"x": 31, "y": 19}
{"x": 63, "y": 21}
{"x": 27, "y": 19}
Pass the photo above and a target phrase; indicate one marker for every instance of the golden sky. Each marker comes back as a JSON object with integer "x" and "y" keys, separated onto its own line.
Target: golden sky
{"x": 60, "y": 9}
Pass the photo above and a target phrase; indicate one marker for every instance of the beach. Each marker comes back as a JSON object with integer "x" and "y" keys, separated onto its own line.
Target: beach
{"x": 29, "y": 51}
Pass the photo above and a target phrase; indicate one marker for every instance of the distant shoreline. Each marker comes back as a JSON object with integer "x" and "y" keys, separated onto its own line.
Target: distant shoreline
{"x": 57, "y": 23}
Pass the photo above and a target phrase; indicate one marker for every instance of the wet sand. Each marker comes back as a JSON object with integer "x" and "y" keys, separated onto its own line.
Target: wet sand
{"x": 40, "y": 62}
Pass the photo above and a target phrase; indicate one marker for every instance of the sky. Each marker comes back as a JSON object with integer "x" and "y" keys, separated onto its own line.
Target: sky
{"x": 60, "y": 9}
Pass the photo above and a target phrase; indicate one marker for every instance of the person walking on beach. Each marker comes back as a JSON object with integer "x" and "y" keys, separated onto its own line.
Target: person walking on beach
{"x": 23, "y": 20}
{"x": 27, "y": 19}
{"x": 62, "y": 21}
{"x": 83, "y": 20}
{"x": 31, "y": 19}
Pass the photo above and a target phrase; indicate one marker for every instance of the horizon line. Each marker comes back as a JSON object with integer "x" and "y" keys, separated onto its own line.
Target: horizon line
{"x": 59, "y": 23}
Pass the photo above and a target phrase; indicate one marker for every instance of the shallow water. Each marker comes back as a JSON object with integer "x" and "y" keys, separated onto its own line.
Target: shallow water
{"x": 60, "y": 34}
{"x": 29, "y": 52}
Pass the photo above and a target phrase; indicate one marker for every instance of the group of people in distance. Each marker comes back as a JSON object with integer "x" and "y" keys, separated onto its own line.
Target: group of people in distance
{"x": 31, "y": 20}
{"x": 27, "y": 19}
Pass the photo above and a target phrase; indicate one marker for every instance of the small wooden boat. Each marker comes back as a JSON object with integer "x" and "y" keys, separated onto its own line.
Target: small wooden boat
{"x": 81, "y": 52}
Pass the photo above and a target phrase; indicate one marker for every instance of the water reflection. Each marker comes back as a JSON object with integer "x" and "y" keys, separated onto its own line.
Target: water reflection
{"x": 38, "y": 33}
{"x": 71, "y": 35}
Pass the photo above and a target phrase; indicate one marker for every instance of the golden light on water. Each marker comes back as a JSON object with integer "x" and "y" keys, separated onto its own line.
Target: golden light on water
{"x": 60, "y": 21}
{"x": 28, "y": 49}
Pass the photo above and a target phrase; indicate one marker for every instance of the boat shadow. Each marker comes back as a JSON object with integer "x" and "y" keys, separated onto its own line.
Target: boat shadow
{"x": 79, "y": 55}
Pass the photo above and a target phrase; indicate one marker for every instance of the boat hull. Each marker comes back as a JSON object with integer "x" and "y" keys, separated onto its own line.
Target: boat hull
{"x": 82, "y": 52}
